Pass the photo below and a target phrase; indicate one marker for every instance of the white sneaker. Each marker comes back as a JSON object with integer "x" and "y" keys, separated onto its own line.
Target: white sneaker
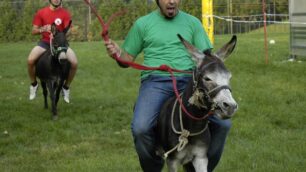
{"x": 66, "y": 95}
{"x": 33, "y": 90}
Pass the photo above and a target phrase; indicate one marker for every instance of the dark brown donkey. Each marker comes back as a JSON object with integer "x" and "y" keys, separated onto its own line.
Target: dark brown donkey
{"x": 52, "y": 68}
{"x": 183, "y": 138}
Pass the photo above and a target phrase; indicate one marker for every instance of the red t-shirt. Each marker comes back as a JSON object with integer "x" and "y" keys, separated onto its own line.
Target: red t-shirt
{"x": 44, "y": 16}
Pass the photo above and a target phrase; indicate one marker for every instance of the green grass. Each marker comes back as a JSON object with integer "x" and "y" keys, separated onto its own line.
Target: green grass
{"x": 93, "y": 132}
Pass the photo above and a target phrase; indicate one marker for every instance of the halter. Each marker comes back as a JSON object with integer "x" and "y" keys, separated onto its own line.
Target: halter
{"x": 202, "y": 91}
{"x": 58, "y": 50}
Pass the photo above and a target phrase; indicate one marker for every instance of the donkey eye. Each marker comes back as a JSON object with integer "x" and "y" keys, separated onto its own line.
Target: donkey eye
{"x": 207, "y": 78}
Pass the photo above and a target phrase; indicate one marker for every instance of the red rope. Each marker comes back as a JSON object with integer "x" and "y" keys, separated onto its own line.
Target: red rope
{"x": 181, "y": 101}
{"x": 104, "y": 34}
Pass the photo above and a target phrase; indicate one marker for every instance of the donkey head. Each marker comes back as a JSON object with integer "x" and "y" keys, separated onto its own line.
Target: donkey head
{"x": 211, "y": 80}
{"x": 59, "y": 44}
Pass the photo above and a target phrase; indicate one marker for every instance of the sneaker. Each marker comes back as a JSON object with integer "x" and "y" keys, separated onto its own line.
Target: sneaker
{"x": 33, "y": 90}
{"x": 66, "y": 95}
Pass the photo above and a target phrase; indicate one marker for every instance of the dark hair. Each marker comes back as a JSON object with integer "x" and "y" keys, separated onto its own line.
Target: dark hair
{"x": 157, "y": 2}
{"x": 55, "y": 5}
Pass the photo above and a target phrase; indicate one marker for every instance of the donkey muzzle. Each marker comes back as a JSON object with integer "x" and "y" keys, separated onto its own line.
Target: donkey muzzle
{"x": 62, "y": 57}
{"x": 226, "y": 105}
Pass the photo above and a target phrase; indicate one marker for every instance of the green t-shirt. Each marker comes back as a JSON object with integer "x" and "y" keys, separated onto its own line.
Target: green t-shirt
{"x": 157, "y": 37}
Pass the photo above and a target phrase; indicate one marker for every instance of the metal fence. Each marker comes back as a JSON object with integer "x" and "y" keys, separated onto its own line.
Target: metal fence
{"x": 228, "y": 18}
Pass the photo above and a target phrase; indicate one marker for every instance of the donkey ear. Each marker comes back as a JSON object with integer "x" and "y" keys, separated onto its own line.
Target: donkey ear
{"x": 196, "y": 54}
{"x": 227, "y": 49}
{"x": 53, "y": 29}
{"x": 68, "y": 27}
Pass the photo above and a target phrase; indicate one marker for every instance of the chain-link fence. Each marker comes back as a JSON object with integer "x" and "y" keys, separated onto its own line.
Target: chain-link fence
{"x": 230, "y": 20}
{"x": 229, "y": 17}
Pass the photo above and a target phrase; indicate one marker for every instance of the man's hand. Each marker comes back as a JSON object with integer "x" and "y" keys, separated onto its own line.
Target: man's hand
{"x": 112, "y": 48}
{"x": 38, "y": 30}
{"x": 45, "y": 28}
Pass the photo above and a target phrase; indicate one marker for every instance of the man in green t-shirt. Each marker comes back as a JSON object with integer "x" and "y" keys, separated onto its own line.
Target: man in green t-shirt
{"x": 156, "y": 36}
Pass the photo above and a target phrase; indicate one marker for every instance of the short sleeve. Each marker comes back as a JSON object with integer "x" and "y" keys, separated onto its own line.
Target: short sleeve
{"x": 201, "y": 40}
{"x": 133, "y": 43}
{"x": 67, "y": 19}
{"x": 37, "y": 19}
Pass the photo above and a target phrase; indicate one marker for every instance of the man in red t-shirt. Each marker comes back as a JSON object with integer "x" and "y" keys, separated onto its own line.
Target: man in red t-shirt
{"x": 54, "y": 13}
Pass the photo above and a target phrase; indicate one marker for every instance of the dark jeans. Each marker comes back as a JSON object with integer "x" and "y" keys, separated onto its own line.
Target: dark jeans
{"x": 153, "y": 92}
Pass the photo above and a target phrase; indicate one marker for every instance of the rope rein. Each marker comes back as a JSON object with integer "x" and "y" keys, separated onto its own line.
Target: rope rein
{"x": 166, "y": 68}
{"x": 184, "y": 134}
{"x": 51, "y": 46}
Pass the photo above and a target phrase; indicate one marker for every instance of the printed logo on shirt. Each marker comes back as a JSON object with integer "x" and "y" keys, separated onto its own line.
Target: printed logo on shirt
{"x": 58, "y": 21}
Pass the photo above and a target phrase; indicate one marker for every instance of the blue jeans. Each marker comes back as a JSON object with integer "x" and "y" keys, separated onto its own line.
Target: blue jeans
{"x": 153, "y": 93}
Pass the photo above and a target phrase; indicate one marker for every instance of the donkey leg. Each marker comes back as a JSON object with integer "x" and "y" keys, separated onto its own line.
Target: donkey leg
{"x": 57, "y": 95}
{"x": 52, "y": 97}
{"x": 200, "y": 164}
{"x": 45, "y": 93}
{"x": 172, "y": 165}
{"x": 58, "y": 90}
{"x": 189, "y": 167}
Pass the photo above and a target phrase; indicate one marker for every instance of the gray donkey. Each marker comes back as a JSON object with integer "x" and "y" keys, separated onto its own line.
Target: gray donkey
{"x": 183, "y": 135}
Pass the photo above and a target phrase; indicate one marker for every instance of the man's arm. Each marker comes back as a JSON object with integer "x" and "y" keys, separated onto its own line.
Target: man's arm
{"x": 36, "y": 30}
{"x": 113, "y": 48}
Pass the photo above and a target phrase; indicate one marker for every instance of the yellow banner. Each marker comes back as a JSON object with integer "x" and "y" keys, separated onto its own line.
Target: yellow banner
{"x": 207, "y": 18}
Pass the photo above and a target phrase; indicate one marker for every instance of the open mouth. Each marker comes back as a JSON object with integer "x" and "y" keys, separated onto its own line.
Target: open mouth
{"x": 171, "y": 11}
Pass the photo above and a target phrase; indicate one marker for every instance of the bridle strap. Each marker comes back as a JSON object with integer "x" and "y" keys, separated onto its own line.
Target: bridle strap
{"x": 62, "y": 49}
{"x": 58, "y": 49}
{"x": 178, "y": 97}
{"x": 215, "y": 91}
{"x": 209, "y": 94}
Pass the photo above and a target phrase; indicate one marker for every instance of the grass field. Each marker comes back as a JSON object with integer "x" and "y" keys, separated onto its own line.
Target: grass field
{"x": 93, "y": 132}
